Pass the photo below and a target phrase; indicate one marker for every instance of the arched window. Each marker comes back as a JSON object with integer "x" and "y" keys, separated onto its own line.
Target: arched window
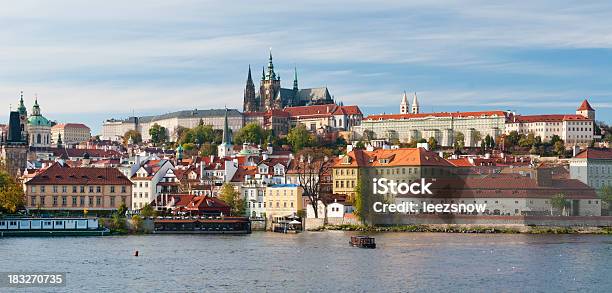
{"x": 38, "y": 138}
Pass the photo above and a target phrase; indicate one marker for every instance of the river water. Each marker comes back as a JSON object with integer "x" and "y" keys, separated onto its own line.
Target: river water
{"x": 317, "y": 262}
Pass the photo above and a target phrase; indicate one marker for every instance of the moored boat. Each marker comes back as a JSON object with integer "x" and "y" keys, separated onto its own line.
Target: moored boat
{"x": 51, "y": 227}
{"x": 362, "y": 241}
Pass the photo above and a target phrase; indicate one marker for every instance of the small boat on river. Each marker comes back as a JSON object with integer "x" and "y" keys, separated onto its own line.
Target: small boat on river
{"x": 362, "y": 241}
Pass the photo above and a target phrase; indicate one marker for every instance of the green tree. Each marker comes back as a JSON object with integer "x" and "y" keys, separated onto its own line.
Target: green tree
{"x": 432, "y": 143}
{"x": 250, "y": 133}
{"x": 134, "y": 135}
{"x": 527, "y": 141}
{"x": 11, "y": 193}
{"x": 232, "y": 198}
{"x": 148, "y": 211}
{"x": 158, "y": 134}
{"x": 559, "y": 147}
{"x": 559, "y": 202}
{"x": 459, "y": 141}
{"x": 137, "y": 222}
{"x": 358, "y": 204}
{"x": 368, "y": 135}
{"x": 208, "y": 149}
{"x": 117, "y": 222}
{"x": 512, "y": 139}
{"x": 122, "y": 209}
{"x": 299, "y": 137}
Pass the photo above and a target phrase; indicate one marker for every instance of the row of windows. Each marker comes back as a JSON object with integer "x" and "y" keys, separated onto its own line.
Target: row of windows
{"x": 77, "y": 189}
{"x": 74, "y": 200}
{"x": 345, "y": 183}
{"x": 278, "y": 205}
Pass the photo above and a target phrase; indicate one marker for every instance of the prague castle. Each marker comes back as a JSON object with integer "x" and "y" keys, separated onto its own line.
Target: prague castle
{"x": 272, "y": 96}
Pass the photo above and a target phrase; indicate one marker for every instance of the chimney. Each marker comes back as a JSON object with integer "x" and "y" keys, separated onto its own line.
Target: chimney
{"x": 575, "y": 150}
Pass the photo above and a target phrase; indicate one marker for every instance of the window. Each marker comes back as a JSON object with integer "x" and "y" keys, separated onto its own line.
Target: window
{"x": 74, "y": 201}
{"x": 91, "y": 189}
{"x": 33, "y": 189}
{"x": 91, "y": 200}
{"x": 82, "y": 201}
{"x": 74, "y": 189}
{"x": 83, "y": 189}
{"x": 98, "y": 189}
{"x": 64, "y": 189}
{"x": 54, "y": 188}
{"x": 123, "y": 189}
{"x": 98, "y": 201}
{"x": 112, "y": 189}
{"x": 42, "y": 189}
{"x": 33, "y": 200}
{"x": 42, "y": 200}
{"x": 55, "y": 201}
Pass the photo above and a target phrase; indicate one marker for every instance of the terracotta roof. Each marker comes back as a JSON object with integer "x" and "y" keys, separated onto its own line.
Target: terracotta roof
{"x": 437, "y": 115}
{"x": 547, "y": 118}
{"x": 595, "y": 153}
{"x": 243, "y": 171}
{"x": 461, "y": 162}
{"x": 585, "y": 106}
{"x": 322, "y": 110}
{"x": 508, "y": 187}
{"x": 58, "y": 174}
{"x": 394, "y": 157}
{"x": 79, "y": 153}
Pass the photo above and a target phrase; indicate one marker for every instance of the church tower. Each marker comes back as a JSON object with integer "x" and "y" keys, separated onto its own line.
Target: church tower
{"x": 404, "y": 105}
{"x": 23, "y": 116}
{"x": 586, "y": 110}
{"x": 270, "y": 88}
{"x": 415, "y": 105}
{"x": 225, "y": 149}
{"x": 249, "y": 95}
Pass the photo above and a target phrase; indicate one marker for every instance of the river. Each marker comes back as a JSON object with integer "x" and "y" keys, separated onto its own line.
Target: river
{"x": 318, "y": 261}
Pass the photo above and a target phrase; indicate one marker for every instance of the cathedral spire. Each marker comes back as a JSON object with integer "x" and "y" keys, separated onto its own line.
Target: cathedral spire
{"x": 271, "y": 75}
{"x": 249, "y": 78}
{"x": 295, "y": 80}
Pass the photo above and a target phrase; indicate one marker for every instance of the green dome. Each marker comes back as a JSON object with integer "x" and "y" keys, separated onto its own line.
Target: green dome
{"x": 38, "y": 120}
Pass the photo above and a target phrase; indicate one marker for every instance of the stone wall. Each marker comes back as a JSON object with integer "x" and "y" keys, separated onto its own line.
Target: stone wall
{"x": 495, "y": 220}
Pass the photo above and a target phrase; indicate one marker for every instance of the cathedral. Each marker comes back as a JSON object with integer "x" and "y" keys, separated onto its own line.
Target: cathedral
{"x": 272, "y": 96}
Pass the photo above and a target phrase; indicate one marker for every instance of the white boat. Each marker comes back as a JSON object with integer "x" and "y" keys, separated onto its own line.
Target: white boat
{"x": 50, "y": 227}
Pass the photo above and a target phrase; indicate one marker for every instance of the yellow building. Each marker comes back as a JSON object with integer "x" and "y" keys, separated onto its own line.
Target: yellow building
{"x": 60, "y": 187}
{"x": 283, "y": 200}
{"x": 345, "y": 172}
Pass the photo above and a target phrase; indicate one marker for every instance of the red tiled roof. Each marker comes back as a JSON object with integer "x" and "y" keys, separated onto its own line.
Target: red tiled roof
{"x": 322, "y": 110}
{"x": 461, "y": 162}
{"x": 437, "y": 114}
{"x": 595, "y": 153}
{"x": 394, "y": 157}
{"x": 508, "y": 187}
{"x": 585, "y": 106}
{"x": 58, "y": 174}
{"x": 547, "y": 118}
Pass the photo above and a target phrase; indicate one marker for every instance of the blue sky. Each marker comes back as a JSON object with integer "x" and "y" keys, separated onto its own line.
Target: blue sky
{"x": 92, "y": 61}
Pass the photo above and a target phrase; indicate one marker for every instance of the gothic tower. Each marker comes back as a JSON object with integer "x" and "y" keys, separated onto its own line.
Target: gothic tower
{"x": 249, "y": 95}
{"x": 270, "y": 88}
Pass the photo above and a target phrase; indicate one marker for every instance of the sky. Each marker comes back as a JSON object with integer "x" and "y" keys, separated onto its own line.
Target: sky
{"x": 88, "y": 61}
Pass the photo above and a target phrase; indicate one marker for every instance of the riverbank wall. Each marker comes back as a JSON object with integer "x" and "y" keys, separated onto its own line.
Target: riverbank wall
{"x": 520, "y": 223}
